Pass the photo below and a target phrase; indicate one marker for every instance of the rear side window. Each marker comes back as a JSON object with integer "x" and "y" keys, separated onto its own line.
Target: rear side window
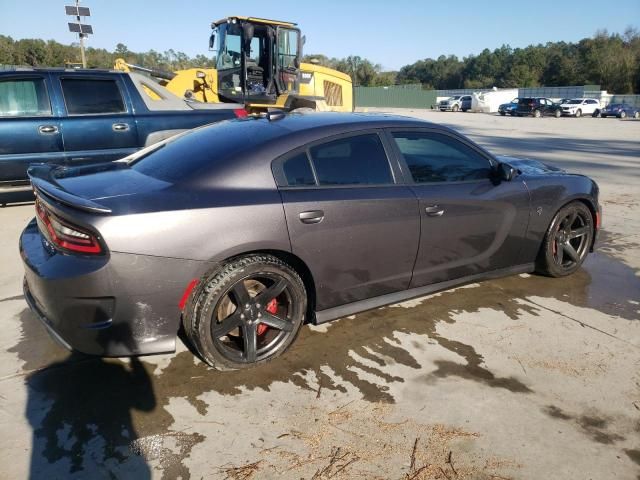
{"x": 297, "y": 171}
{"x": 88, "y": 96}
{"x": 358, "y": 160}
{"x": 24, "y": 98}
{"x": 433, "y": 157}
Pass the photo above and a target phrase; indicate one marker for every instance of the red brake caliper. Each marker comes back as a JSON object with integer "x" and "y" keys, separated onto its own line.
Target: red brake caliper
{"x": 272, "y": 308}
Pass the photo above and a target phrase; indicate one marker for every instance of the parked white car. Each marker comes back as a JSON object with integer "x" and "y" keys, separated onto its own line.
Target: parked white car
{"x": 577, "y": 107}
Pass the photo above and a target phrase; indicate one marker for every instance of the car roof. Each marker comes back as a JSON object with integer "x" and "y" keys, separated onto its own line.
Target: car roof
{"x": 21, "y": 69}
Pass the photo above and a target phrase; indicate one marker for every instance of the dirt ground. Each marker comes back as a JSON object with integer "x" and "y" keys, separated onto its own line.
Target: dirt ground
{"x": 524, "y": 377}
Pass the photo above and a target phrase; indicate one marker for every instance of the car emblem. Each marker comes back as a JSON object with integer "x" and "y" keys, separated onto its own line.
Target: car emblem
{"x": 539, "y": 210}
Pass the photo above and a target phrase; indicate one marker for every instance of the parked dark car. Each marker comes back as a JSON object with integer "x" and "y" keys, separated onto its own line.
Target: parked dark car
{"x": 620, "y": 110}
{"x": 538, "y": 107}
{"x": 70, "y": 117}
{"x": 456, "y": 103}
{"x": 508, "y": 108}
{"x": 250, "y": 228}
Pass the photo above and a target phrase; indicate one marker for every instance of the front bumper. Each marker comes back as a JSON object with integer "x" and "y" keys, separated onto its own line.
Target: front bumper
{"x": 115, "y": 305}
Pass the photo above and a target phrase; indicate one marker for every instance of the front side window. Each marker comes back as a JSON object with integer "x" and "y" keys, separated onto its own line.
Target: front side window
{"x": 229, "y": 46}
{"x": 358, "y": 160}
{"x": 24, "y": 98}
{"x": 434, "y": 157}
{"x": 85, "y": 96}
{"x": 287, "y": 48}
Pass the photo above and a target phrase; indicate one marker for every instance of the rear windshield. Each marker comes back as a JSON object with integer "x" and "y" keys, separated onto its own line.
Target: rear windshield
{"x": 202, "y": 150}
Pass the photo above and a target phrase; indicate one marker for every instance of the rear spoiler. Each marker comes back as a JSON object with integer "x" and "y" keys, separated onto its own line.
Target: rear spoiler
{"x": 44, "y": 183}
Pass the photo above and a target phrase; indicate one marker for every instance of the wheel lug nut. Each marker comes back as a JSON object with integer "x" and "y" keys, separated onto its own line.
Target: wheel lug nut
{"x": 242, "y": 316}
{"x": 257, "y": 305}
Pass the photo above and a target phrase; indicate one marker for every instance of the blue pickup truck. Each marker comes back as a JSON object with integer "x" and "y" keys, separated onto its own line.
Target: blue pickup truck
{"x": 73, "y": 117}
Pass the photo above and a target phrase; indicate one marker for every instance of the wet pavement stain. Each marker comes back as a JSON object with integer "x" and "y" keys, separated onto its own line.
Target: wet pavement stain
{"x": 126, "y": 405}
{"x": 592, "y": 425}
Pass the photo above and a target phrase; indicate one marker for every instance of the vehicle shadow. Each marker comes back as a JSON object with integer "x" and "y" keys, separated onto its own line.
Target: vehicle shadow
{"x": 80, "y": 411}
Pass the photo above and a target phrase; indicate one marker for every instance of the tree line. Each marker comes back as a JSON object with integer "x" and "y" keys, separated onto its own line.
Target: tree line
{"x": 609, "y": 60}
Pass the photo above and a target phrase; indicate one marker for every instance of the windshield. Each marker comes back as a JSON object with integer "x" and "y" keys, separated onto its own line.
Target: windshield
{"x": 229, "y": 38}
{"x": 575, "y": 101}
{"x": 457, "y": 97}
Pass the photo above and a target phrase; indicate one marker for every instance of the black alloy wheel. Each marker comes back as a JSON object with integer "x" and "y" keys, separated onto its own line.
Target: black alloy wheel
{"x": 248, "y": 313}
{"x": 568, "y": 240}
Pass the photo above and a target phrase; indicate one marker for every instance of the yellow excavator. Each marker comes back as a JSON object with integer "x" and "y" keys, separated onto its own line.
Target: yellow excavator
{"x": 258, "y": 63}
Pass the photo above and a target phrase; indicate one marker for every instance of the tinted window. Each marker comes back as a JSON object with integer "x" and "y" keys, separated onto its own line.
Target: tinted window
{"x": 353, "y": 160}
{"x": 434, "y": 157}
{"x": 24, "y": 97}
{"x": 297, "y": 170}
{"x": 86, "y": 96}
{"x": 206, "y": 150}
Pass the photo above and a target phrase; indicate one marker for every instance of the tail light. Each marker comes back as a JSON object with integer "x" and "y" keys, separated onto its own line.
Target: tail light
{"x": 241, "y": 113}
{"x": 64, "y": 234}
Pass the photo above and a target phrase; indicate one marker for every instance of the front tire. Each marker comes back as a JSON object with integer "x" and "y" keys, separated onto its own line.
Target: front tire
{"x": 567, "y": 241}
{"x": 247, "y": 312}
{"x": 455, "y": 108}
{"x": 537, "y": 114}
{"x": 578, "y": 113}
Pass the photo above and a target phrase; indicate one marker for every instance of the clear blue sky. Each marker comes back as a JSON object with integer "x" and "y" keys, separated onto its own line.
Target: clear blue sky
{"x": 392, "y": 33}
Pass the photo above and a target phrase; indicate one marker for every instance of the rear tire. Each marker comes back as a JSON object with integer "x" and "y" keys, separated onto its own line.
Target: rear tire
{"x": 636, "y": 115}
{"x": 246, "y": 312}
{"x": 567, "y": 241}
{"x": 557, "y": 114}
{"x": 623, "y": 114}
{"x": 597, "y": 114}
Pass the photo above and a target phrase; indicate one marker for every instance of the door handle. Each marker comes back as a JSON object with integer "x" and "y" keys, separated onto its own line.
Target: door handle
{"x": 311, "y": 216}
{"x": 120, "y": 127}
{"x": 47, "y": 129}
{"x": 434, "y": 211}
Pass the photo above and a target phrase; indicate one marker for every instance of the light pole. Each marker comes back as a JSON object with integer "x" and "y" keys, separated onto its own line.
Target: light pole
{"x": 83, "y": 30}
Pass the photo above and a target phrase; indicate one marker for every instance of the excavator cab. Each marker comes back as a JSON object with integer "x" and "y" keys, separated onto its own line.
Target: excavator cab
{"x": 257, "y": 60}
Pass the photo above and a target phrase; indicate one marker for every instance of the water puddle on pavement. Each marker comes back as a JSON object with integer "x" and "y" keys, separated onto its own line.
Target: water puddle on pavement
{"x": 124, "y": 403}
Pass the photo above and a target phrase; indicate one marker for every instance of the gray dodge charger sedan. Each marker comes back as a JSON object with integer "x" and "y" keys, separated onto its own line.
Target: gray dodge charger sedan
{"x": 244, "y": 230}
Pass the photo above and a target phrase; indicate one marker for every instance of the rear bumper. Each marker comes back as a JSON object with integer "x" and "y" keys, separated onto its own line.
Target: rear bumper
{"x": 115, "y": 305}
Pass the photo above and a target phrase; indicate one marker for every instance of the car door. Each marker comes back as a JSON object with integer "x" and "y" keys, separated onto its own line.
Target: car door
{"x": 29, "y": 128}
{"x": 354, "y": 226}
{"x": 590, "y": 105}
{"x": 98, "y": 123}
{"x": 470, "y": 222}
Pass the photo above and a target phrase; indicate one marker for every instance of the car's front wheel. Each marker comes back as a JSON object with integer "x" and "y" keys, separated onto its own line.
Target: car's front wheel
{"x": 567, "y": 241}
{"x": 455, "y": 108}
{"x": 537, "y": 114}
{"x": 578, "y": 113}
{"x": 246, "y": 313}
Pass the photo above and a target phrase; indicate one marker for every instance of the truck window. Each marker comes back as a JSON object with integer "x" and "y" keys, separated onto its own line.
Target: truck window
{"x": 24, "y": 97}
{"x": 87, "y": 96}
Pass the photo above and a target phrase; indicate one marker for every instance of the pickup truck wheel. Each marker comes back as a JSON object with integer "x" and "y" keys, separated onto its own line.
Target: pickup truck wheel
{"x": 455, "y": 108}
{"x": 557, "y": 114}
{"x": 247, "y": 312}
{"x": 537, "y": 114}
{"x": 578, "y": 113}
{"x": 623, "y": 114}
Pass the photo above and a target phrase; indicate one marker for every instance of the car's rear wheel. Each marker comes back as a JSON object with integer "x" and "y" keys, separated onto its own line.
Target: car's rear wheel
{"x": 567, "y": 241}
{"x": 636, "y": 115}
{"x": 557, "y": 114}
{"x": 246, "y": 313}
{"x": 578, "y": 113}
{"x": 597, "y": 114}
{"x": 623, "y": 114}
{"x": 537, "y": 114}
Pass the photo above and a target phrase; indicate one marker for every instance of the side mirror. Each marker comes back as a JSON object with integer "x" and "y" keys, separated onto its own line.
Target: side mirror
{"x": 212, "y": 40}
{"x": 200, "y": 74}
{"x": 506, "y": 172}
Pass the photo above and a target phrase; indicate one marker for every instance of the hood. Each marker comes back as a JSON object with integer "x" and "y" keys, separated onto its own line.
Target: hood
{"x": 531, "y": 167}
